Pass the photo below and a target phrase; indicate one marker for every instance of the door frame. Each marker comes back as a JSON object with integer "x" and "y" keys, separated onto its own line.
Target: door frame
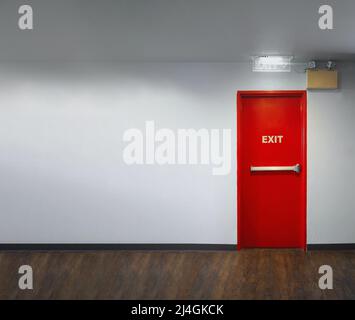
{"x": 279, "y": 93}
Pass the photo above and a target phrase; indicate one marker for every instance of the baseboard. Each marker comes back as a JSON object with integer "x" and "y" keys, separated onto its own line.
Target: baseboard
{"x": 114, "y": 246}
{"x": 331, "y": 246}
{"x": 146, "y": 247}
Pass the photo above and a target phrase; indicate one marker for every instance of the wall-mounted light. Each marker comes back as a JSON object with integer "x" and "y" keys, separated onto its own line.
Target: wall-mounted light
{"x": 272, "y": 63}
{"x": 330, "y": 65}
{"x": 312, "y": 65}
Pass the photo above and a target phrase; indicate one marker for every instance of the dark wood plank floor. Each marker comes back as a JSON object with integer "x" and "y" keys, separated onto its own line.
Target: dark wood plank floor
{"x": 249, "y": 274}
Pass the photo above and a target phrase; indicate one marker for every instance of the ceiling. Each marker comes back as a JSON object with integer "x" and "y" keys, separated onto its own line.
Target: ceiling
{"x": 176, "y": 30}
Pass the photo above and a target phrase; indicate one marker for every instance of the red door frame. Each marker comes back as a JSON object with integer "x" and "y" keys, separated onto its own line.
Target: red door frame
{"x": 303, "y": 95}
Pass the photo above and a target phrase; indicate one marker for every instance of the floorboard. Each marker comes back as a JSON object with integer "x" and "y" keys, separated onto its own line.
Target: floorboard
{"x": 247, "y": 274}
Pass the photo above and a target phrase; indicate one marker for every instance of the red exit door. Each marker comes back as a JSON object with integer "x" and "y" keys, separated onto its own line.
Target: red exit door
{"x": 272, "y": 169}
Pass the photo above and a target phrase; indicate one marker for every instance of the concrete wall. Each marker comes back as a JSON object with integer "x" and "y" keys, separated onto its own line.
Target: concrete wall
{"x": 63, "y": 178}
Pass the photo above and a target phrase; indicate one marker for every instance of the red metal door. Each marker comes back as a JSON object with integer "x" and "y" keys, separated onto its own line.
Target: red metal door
{"x": 272, "y": 169}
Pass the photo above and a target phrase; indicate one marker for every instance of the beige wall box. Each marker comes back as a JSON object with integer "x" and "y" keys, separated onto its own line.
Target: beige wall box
{"x": 322, "y": 79}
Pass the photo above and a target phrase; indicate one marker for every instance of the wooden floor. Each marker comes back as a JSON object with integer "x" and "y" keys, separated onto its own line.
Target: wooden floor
{"x": 249, "y": 274}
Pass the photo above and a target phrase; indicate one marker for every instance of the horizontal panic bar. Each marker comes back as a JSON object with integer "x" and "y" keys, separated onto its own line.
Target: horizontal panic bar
{"x": 295, "y": 168}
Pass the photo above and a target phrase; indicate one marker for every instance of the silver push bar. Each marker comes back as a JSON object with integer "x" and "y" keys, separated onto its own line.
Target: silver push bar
{"x": 296, "y": 168}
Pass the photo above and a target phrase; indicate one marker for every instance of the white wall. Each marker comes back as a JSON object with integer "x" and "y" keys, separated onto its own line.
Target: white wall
{"x": 331, "y": 159}
{"x": 63, "y": 179}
